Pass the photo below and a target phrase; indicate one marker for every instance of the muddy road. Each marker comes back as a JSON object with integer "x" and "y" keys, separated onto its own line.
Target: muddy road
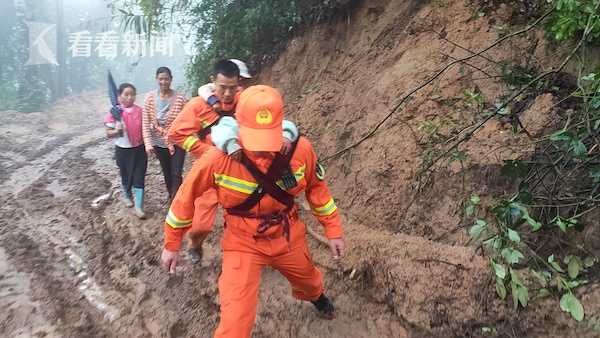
{"x": 75, "y": 266}
{"x": 68, "y": 269}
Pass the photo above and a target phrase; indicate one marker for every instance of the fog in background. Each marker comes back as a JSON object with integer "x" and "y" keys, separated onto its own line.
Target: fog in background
{"x": 57, "y": 71}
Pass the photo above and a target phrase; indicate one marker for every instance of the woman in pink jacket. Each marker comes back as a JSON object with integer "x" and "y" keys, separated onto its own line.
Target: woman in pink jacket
{"x": 129, "y": 148}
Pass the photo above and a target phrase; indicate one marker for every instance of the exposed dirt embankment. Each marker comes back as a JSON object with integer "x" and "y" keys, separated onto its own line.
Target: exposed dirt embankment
{"x": 342, "y": 79}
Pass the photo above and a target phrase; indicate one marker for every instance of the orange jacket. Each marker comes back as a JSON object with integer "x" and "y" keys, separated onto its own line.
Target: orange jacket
{"x": 195, "y": 116}
{"x": 234, "y": 184}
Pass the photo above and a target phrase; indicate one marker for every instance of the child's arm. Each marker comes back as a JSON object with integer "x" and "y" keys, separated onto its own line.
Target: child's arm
{"x": 113, "y": 132}
{"x": 290, "y": 131}
{"x": 290, "y": 135}
{"x": 114, "y": 128}
{"x": 206, "y": 92}
{"x": 224, "y": 135}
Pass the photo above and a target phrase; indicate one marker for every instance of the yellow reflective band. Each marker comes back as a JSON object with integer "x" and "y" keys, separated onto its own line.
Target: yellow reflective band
{"x": 175, "y": 222}
{"x": 320, "y": 172}
{"x": 204, "y": 124}
{"x": 299, "y": 174}
{"x": 326, "y": 210}
{"x": 235, "y": 184}
{"x": 189, "y": 142}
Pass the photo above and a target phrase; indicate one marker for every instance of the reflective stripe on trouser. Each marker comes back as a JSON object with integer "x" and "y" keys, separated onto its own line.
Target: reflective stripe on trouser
{"x": 240, "y": 279}
{"x": 205, "y": 212}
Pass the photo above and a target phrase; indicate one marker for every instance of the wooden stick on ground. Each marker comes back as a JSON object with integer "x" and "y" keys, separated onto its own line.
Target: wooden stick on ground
{"x": 316, "y": 236}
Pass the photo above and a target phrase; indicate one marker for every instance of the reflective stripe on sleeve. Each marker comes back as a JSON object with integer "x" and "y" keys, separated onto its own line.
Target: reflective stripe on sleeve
{"x": 327, "y": 209}
{"x": 177, "y": 223}
{"x": 189, "y": 142}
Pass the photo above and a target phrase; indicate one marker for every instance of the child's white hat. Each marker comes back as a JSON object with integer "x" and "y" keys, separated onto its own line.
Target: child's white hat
{"x": 243, "y": 68}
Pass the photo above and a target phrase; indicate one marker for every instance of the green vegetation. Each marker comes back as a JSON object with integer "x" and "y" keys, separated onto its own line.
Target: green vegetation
{"x": 22, "y": 87}
{"x": 248, "y": 30}
{"x": 557, "y": 187}
{"x": 571, "y": 18}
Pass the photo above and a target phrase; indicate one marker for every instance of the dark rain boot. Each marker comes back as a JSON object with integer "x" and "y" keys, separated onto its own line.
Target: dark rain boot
{"x": 195, "y": 255}
{"x": 195, "y": 247}
{"x": 324, "y": 307}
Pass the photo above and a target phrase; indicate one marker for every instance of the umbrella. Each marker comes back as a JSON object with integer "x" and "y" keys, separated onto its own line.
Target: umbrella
{"x": 113, "y": 94}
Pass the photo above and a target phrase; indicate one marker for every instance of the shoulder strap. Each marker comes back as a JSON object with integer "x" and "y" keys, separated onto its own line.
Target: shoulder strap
{"x": 202, "y": 134}
{"x": 267, "y": 182}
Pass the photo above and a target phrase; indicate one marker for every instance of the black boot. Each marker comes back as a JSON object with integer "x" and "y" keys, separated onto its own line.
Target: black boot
{"x": 324, "y": 307}
{"x": 195, "y": 255}
{"x": 195, "y": 247}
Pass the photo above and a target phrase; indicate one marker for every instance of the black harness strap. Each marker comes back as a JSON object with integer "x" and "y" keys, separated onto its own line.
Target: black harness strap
{"x": 267, "y": 185}
{"x": 202, "y": 134}
{"x": 266, "y": 182}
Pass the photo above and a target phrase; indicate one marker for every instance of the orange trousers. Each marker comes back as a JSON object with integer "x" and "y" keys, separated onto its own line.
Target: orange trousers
{"x": 205, "y": 211}
{"x": 243, "y": 260}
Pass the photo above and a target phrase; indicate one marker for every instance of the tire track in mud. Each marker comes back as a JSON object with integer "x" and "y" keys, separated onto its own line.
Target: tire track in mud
{"x": 25, "y": 176}
{"x": 84, "y": 252}
{"x": 48, "y": 229}
{"x": 38, "y": 215}
{"x": 54, "y": 294}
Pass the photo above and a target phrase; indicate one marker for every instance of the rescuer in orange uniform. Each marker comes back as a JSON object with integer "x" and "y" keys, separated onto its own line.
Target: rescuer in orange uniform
{"x": 192, "y": 131}
{"x": 261, "y": 219}
{"x": 198, "y": 116}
